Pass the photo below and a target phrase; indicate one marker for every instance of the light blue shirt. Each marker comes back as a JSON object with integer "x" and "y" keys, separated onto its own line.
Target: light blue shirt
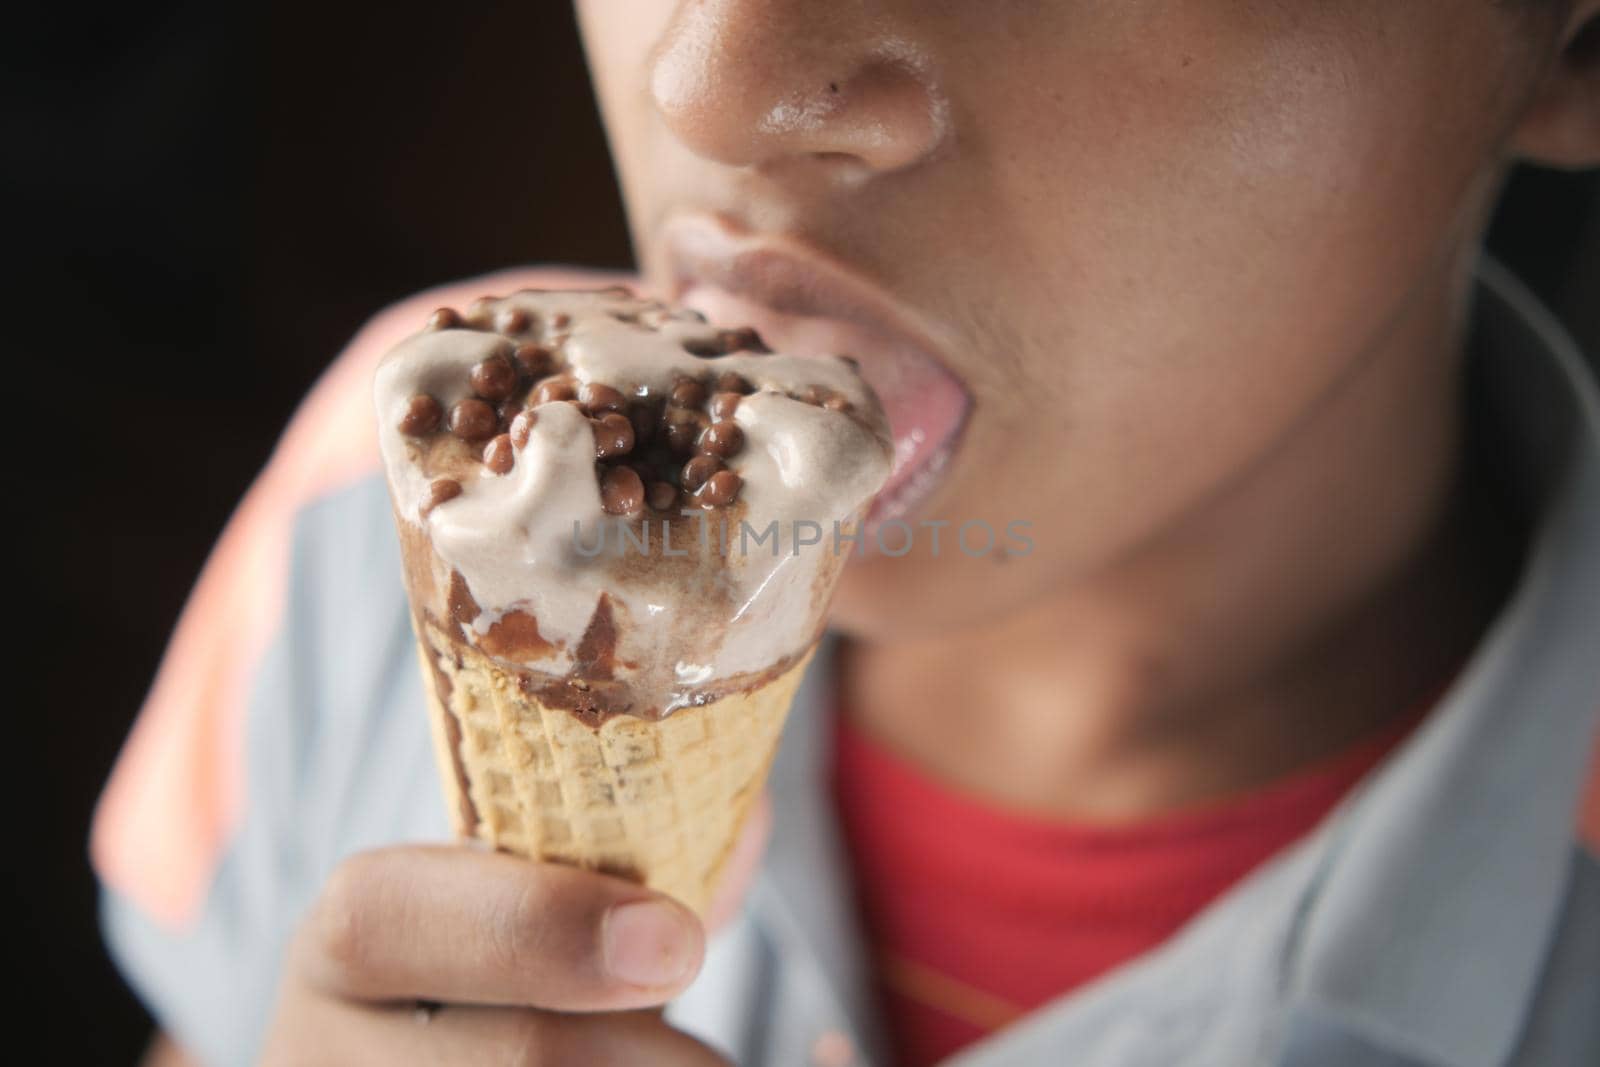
{"x": 1442, "y": 916}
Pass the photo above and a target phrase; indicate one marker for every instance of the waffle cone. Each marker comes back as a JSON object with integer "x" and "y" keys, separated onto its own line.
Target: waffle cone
{"x": 659, "y": 801}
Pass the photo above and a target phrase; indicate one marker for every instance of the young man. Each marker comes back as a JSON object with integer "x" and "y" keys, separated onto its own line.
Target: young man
{"x": 1270, "y": 750}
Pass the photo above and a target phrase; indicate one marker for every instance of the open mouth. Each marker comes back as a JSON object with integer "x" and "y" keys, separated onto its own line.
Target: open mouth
{"x": 803, "y": 303}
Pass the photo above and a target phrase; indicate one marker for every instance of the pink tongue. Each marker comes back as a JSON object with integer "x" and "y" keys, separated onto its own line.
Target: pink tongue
{"x": 923, "y": 401}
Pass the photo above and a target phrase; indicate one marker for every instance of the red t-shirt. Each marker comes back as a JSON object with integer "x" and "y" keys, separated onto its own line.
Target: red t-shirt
{"x": 978, "y": 914}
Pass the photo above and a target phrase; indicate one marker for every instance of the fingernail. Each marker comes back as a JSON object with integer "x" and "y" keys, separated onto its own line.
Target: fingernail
{"x": 647, "y": 943}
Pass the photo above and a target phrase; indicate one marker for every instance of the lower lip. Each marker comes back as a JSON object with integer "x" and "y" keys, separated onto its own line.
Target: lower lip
{"x": 924, "y": 402}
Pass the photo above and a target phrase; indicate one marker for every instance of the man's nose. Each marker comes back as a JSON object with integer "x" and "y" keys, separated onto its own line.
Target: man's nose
{"x": 761, "y": 83}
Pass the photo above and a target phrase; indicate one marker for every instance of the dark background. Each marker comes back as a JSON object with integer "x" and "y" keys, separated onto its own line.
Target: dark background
{"x": 201, "y": 203}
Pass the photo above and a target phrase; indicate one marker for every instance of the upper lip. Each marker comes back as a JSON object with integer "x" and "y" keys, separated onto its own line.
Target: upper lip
{"x": 785, "y": 274}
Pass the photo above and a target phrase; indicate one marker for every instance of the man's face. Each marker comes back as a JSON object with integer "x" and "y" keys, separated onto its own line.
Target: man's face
{"x": 1098, "y": 257}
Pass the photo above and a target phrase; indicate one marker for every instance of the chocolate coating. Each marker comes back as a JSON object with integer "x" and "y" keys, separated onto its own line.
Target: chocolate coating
{"x": 723, "y": 405}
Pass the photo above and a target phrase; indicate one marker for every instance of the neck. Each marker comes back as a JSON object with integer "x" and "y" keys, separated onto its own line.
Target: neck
{"x": 1325, "y": 592}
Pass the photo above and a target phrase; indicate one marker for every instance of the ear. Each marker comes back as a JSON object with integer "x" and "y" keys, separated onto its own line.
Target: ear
{"x": 1561, "y": 126}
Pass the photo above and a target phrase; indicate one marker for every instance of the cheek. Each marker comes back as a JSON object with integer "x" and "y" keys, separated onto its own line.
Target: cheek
{"x": 619, "y": 39}
{"x": 1264, "y": 184}
{"x": 1207, "y": 220}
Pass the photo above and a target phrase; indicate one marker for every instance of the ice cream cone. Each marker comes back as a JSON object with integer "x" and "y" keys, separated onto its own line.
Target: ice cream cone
{"x": 617, "y": 709}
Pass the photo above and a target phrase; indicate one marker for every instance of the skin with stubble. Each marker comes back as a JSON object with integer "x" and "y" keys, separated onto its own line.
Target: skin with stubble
{"x": 1181, "y": 284}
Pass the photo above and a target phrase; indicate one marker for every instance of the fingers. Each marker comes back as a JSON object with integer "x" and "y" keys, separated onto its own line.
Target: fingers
{"x": 535, "y": 1037}
{"x": 451, "y": 924}
{"x": 473, "y": 930}
{"x": 327, "y": 1030}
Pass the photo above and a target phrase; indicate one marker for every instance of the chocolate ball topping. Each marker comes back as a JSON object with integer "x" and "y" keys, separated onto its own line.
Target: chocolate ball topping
{"x": 601, "y": 398}
{"x": 613, "y": 435}
{"x": 696, "y": 472}
{"x": 651, "y": 451}
{"x": 729, "y": 382}
{"x": 662, "y": 496}
{"x": 744, "y": 339}
{"x": 508, "y": 410}
{"x": 440, "y": 490}
{"x": 553, "y": 389}
{"x": 644, "y": 423}
{"x": 493, "y": 378}
{"x": 445, "y": 319}
{"x": 473, "y": 419}
{"x": 723, "y": 438}
{"x": 720, "y": 490}
{"x": 688, "y": 393}
{"x": 683, "y": 429}
{"x": 479, "y": 312}
{"x": 535, "y": 360}
{"x": 422, "y": 416}
{"x": 723, "y": 342}
{"x": 512, "y": 320}
{"x": 621, "y": 491}
{"x": 522, "y": 427}
{"x": 498, "y": 455}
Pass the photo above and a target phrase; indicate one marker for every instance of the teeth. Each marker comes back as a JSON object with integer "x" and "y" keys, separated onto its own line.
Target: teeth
{"x": 906, "y": 447}
{"x": 915, "y": 488}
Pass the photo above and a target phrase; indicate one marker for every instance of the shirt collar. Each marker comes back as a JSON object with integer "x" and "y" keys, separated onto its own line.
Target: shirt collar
{"x": 804, "y": 894}
{"x": 1427, "y": 928}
